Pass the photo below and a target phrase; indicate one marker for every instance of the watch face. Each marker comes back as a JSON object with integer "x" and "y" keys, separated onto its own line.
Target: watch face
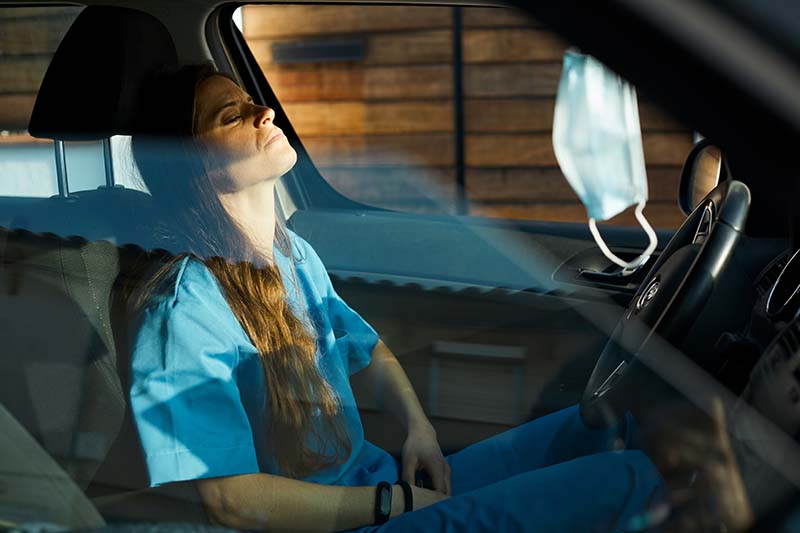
{"x": 385, "y": 500}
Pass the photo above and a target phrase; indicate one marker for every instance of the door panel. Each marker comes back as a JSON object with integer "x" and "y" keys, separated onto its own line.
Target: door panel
{"x": 486, "y": 331}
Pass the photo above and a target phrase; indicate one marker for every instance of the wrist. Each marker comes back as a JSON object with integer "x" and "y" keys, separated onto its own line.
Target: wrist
{"x": 421, "y": 426}
{"x": 398, "y": 501}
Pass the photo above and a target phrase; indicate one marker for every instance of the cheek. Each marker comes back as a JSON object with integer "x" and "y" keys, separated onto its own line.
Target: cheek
{"x": 234, "y": 152}
{"x": 218, "y": 150}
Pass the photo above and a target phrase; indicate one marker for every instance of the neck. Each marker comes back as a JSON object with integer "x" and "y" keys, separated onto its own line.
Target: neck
{"x": 253, "y": 208}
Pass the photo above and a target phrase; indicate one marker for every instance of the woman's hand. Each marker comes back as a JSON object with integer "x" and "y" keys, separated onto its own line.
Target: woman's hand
{"x": 695, "y": 456}
{"x": 421, "y": 451}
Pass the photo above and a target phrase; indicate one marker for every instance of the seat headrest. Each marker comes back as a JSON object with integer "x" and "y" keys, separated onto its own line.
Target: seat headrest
{"x": 89, "y": 91}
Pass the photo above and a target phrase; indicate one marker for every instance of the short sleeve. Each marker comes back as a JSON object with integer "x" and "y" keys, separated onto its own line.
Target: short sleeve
{"x": 185, "y": 398}
{"x": 362, "y": 337}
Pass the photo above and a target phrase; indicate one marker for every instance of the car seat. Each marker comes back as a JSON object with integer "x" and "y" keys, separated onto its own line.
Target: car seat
{"x": 62, "y": 305}
{"x": 58, "y": 344}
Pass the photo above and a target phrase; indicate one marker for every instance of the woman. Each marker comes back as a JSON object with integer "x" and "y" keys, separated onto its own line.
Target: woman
{"x": 243, "y": 352}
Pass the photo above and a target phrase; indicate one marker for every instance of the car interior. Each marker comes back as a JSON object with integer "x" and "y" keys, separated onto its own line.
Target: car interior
{"x": 533, "y": 307}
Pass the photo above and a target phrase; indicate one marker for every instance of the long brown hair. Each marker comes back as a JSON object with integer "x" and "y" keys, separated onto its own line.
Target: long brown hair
{"x": 306, "y": 432}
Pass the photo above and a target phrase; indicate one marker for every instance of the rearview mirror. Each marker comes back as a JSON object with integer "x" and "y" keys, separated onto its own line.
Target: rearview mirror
{"x": 703, "y": 170}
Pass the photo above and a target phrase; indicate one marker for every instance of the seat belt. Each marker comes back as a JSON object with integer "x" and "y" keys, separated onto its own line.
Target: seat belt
{"x": 35, "y": 488}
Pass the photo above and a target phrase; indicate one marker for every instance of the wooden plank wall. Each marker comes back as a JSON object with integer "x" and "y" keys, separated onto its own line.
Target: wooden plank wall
{"x": 28, "y": 39}
{"x": 381, "y": 129}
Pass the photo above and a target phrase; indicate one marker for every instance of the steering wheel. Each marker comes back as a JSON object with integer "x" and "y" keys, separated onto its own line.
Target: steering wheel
{"x": 668, "y": 300}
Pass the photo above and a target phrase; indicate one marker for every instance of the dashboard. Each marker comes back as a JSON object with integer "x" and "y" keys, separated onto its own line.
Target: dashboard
{"x": 765, "y": 420}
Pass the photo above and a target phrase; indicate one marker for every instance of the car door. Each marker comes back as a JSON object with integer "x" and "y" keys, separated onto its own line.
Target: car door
{"x": 427, "y": 184}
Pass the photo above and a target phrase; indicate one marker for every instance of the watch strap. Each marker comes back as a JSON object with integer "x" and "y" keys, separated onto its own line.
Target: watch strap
{"x": 408, "y": 499}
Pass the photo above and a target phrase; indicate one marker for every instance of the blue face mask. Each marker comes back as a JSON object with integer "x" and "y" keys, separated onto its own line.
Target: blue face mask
{"x": 598, "y": 145}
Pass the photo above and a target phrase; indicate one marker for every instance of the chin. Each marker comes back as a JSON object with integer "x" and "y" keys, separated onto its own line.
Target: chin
{"x": 286, "y": 161}
{"x": 278, "y": 163}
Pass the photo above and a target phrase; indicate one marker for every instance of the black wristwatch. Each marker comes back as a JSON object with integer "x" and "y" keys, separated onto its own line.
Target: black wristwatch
{"x": 383, "y": 502}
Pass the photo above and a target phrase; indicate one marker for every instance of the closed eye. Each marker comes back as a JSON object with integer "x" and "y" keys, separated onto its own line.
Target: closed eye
{"x": 232, "y": 120}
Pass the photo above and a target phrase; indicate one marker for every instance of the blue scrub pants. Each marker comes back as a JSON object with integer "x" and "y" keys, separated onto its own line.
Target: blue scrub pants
{"x": 550, "y": 474}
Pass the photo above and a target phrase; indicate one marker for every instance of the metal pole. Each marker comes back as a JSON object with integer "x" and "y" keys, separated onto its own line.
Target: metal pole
{"x": 61, "y": 168}
{"x": 109, "y": 163}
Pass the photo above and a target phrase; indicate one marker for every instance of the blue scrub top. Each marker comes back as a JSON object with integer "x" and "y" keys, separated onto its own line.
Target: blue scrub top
{"x": 197, "y": 385}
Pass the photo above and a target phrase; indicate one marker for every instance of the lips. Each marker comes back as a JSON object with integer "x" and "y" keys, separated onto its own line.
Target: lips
{"x": 274, "y": 135}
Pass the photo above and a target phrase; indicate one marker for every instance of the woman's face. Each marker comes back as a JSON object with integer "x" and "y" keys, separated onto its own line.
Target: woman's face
{"x": 244, "y": 145}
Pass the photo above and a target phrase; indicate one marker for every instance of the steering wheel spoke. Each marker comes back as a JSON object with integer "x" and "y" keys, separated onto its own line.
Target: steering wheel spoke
{"x": 668, "y": 300}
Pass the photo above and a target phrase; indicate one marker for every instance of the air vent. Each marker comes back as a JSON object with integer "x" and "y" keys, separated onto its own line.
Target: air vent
{"x": 769, "y": 275}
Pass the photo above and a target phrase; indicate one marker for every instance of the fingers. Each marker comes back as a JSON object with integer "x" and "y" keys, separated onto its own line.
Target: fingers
{"x": 717, "y": 414}
{"x": 409, "y": 471}
{"x": 438, "y": 477}
{"x": 694, "y": 512}
{"x": 423, "y": 453}
{"x": 439, "y": 471}
{"x": 699, "y": 449}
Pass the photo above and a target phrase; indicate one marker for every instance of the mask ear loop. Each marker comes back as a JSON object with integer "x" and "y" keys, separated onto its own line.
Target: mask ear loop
{"x": 639, "y": 261}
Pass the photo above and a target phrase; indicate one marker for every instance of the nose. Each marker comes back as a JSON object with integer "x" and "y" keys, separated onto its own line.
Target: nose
{"x": 264, "y": 116}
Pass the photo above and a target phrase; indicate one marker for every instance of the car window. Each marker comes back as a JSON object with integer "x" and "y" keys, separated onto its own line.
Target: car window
{"x": 28, "y": 40}
{"x": 438, "y": 109}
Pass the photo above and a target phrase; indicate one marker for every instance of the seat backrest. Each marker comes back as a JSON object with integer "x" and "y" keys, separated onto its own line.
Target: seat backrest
{"x": 64, "y": 366}
{"x": 58, "y": 370}
{"x": 115, "y": 214}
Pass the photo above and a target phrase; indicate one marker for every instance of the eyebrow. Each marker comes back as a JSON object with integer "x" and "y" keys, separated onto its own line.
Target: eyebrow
{"x": 232, "y": 103}
{"x": 223, "y": 107}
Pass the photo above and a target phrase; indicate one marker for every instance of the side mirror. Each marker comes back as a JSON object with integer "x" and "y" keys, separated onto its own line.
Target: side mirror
{"x": 704, "y": 169}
